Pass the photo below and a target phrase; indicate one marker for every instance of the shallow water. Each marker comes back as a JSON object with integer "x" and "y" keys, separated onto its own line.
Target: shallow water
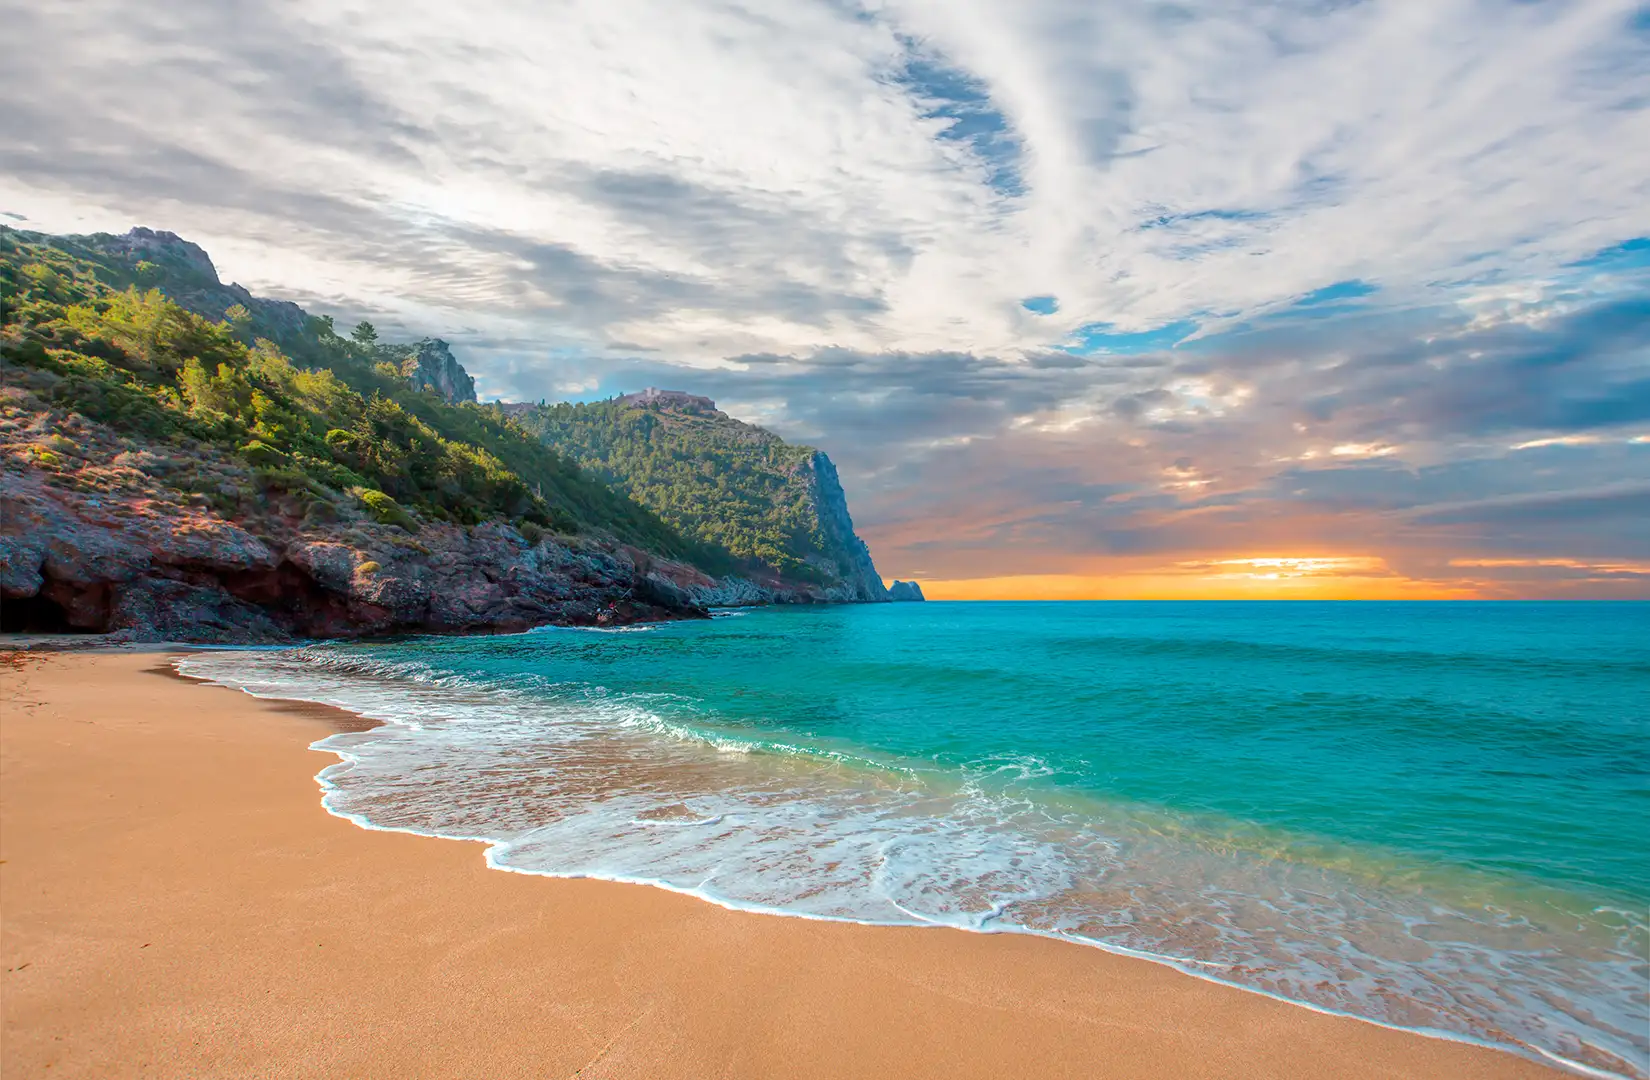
{"x": 1428, "y": 815}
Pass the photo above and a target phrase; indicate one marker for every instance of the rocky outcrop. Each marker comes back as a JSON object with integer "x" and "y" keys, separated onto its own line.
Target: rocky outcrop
{"x": 107, "y": 564}
{"x": 858, "y": 575}
{"x": 905, "y": 590}
{"x": 158, "y": 246}
{"x": 192, "y": 280}
{"x": 431, "y": 366}
{"x": 673, "y": 399}
{"x": 735, "y": 591}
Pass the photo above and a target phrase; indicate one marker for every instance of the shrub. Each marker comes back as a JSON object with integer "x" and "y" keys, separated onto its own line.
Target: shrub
{"x": 261, "y": 453}
{"x": 385, "y": 509}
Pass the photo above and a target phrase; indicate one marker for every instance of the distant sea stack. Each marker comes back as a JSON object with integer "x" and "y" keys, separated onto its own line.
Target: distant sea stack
{"x": 905, "y": 590}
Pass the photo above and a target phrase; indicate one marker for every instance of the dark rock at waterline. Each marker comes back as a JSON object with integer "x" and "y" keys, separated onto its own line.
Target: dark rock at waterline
{"x": 113, "y": 564}
{"x": 905, "y": 590}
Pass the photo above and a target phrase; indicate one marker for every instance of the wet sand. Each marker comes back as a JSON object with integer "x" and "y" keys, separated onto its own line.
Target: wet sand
{"x": 176, "y": 903}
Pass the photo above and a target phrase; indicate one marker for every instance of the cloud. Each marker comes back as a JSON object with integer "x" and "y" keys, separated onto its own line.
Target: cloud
{"x": 900, "y": 174}
{"x": 1055, "y": 281}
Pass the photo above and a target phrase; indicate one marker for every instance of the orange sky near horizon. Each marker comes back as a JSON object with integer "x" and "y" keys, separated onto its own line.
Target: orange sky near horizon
{"x": 1253, "y": 578}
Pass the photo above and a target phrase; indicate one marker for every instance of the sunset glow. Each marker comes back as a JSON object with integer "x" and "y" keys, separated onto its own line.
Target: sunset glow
{"x": 1253, "y": 578}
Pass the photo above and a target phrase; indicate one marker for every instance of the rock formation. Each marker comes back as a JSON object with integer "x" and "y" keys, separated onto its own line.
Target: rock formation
{"x": 776, "y": 510}
{"x": 905, "y": 590}
{"x": 127, "y": 506}
{"x": 119, "y": 563}
{"x": 678, "y": 399}
{"x": 431, "y": 366}
{"x": 192, "y": 281}
{"x": 858, "y": 575}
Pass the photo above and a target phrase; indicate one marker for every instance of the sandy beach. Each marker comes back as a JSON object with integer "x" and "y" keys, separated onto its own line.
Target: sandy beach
{"x": 176, "y": 903}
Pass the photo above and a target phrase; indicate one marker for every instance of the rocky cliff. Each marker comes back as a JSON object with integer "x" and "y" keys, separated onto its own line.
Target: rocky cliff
{"x": 101, "y": 542}
{"x": 184, "y": 271}
{"x": 905, "y": 590}
{"x": 431, "y": 366}
{"x": 857, "y": 577}
{"x": 181, "y": 460}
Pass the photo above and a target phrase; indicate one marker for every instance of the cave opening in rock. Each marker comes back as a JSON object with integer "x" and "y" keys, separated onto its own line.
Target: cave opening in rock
{"x": 37, "y": 614}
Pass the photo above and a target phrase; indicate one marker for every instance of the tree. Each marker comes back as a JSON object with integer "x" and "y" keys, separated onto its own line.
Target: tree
{"x": 365, "y": 334}
{"x": 239, "y": 320}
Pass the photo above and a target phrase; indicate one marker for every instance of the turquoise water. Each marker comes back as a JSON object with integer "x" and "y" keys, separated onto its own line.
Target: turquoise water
{"x": 1428, "y": 815}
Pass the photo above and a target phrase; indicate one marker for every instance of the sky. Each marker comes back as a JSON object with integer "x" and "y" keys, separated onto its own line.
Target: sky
{"x": 1269, "y": 298}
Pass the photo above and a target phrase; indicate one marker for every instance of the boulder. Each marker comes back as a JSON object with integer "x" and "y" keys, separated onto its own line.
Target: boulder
{"x": 905, "y": 590}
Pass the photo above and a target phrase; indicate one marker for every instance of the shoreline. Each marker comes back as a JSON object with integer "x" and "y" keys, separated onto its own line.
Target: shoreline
{"x": 760, "y": 996}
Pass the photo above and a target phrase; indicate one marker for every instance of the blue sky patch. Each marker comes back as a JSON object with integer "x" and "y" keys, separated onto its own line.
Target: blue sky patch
{"x": 951, "y": 94}
{"x": 1041, "y": 305}
{"x": 1169, "y": 221}
{"x": 1094, "y": 338}
{"x": 1630, "y": 255}
{"x": 1341, "y": 290}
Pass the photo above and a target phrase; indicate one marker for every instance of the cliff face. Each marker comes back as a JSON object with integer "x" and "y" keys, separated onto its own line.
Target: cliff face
{"x": 859, "y": 580}
{"x": 164, "y": 478}
{"x": 432, "y": 367}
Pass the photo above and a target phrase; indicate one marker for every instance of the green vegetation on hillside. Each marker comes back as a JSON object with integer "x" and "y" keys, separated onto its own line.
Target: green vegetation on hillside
{"x": 719, "y": 481}
{"x": 101, "y": 338}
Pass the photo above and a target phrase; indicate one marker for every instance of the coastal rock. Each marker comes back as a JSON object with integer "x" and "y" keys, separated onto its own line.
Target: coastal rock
{"x": 729, "y": 592}
{"x": 118, "y": 563}
{"x": 433, "y": 367}
{"x": 762, "y": 495}
{"x": 43, "y": 540}
{"x": 860, "y": 580}
{"x": 209, "y": 544}
{"x": 162, "y": 609}
{"x": 905, "y": 590}
{"x": 331, "y": 565}
{"x": 736, "y": 591}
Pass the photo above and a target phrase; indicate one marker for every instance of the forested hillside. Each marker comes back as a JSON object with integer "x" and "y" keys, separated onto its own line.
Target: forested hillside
{"x": 717, "y": 480}
{"x": 87, "y": 329}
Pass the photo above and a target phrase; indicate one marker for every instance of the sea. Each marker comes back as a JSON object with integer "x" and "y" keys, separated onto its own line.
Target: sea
{"x": 1433, "y": 816}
